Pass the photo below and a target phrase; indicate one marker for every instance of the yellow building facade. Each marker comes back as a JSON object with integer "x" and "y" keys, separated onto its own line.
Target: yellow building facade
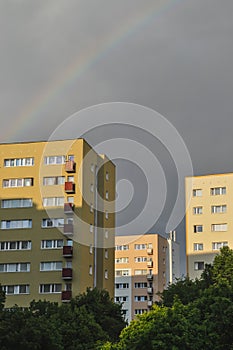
{"x": 57, "y": 221}
{"x": 209, "y": 219}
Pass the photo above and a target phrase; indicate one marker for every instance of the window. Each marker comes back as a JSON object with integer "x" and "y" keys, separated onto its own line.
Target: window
{"x": 219, "y": 245}
{"x": 91, "y": 228}
{"x": 90, "y": 269}
{"x": 51, "y": 266}
{"x": 48, "y": 223}
{"x": 106, "y": 234}
{"x": 53, "y": 201}
{"x": 26, "y": 182}
{"x": 70, "y": 178}
{"x": 50, "y": 288}
{"x": 106, "y": 253}
{"x": 70, "y": 199}
{"x": 16, "y": 289}
{"x": 107, "y": 176}
{"x": 219, "y": 227}
{"x": 106, "y": 214}
{"x": 197, "y": 192}
{"x": 140, "y": 272}
{"x": 16, "y": 245}
{"x": 121, "y": 285}
{"x": 123, "y": 260}
{"x": 53, "y": 180}
{"x": 16, "y": 203}
{"x": 53, "y": 160}
{"x": 197, "y": 210}
{"x": 122, "y": 247}
{"x": 140, "y": 298}
{"x": 215, "y": 191}
{"x": 198, "y": 246}
{"x": 140, "y": 259}
{"x": 199, "y": 265}
{"x": 91, "y": 249}
{"x": 92, "y": 168}
{"x": 18, "y": 162}
{"x": 198, "y": 228}
{"x": 139, "y": 311}
{"x": 120, "y": 273}
{"x": 91, "y": 208}
{"x": 15, "y": 224}
{"x": 106, "y": 274}
{"x": 51, "y": 243}
{"x": 121, "y": 299}
{"x": 92, "y": 188}
{"x": 140, "y": 285}
{"x": 139, "y": 246}
{"x": 106, "y": 195}
{"x": 15, "y": 267}
{"x": 218, "y": 209}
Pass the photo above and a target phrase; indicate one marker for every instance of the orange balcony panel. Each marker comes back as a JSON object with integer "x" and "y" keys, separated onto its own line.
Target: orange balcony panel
{"x": 67, "y": 251}
{"x": 66, "y": 295}
{"x": 68, "y": 229}
{"x": 69, "y": 187}
{"x": 67, "y": 273}
{"x": 68, "y": 208}
{"x": 70, "y": 166}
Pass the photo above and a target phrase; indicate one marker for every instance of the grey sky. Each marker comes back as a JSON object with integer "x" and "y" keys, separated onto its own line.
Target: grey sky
{"x": 175, "y": 57}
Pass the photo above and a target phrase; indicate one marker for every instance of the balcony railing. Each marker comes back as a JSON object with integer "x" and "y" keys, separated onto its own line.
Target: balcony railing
{"x": 149, "y": 251}
{"x": 149, "y": 263}
{"x": 149, "y": 277}
{"x": 68, "y": 208}
{"x": 150, "y": 290}
{"x": 68, "y": 229}
{"x": 70, "y": 166}
{"x": 66, "y": 295}
{"x": 67, "y": 251}
{"x": 69, "y": 187}
{"x": 67, "y": 273}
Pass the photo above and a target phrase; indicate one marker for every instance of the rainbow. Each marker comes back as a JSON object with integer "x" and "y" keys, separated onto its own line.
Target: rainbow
{"x": 82, "y": 63}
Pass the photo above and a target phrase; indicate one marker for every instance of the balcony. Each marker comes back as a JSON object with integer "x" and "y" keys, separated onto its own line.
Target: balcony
{"x": 68, "y": 208}
{"x": 66, "y": 295}
{"x": 70, "y": 166}
{"x": 150, "y": 263}
{"x": 149, "y": 277}
{"x": 150, "y": 290}
{"x": 68, "y": 229}
{"x": 67, "y": 251}
{"x": 149, "y": 251}
{"x": 69, "y": 187}
{"x": 67, "y": 273}
{"x": 149, "y": 303}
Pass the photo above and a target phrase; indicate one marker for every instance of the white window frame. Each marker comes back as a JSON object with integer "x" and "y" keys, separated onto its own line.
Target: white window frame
{"x": 17, "y": 182}
{"x": 219, "y": 227}
{"x": 54, "y": 288}
{"x": 197, "y": 210}
{"x": 54, "y": 160}
{"x": 218, "y": 191}
{"x": 218, "y": 209}
{"x": 51, "y": 266}
{"x": 198, "y": 246}
{"x": 16, "y": 224}
{"x": 219, "y": 245}
{"x": 197, "y": 192}
{"x": 53, "y": 201}
{"x": 50, "y": 223}
{"x": 16, "y": 203}
{"x": 52, "y": 244}
{"x": 17, "y": 162}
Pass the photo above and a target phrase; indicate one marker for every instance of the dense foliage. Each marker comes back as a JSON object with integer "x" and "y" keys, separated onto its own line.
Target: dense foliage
{"x": 192, "y": 315}
{"x": 83, "y": 324}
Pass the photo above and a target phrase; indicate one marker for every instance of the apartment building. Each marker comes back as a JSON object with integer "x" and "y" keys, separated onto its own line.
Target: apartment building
{"x": 57, "y": 220}
{"x": 141, "y": 271}
{"x": 209, "y": 219}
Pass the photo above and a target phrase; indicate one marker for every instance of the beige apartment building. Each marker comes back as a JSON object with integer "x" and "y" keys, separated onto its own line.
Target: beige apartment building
{"x": 57, "y": 220}
{"x": 209, "y": 219}
{"x": 141, "y": 271}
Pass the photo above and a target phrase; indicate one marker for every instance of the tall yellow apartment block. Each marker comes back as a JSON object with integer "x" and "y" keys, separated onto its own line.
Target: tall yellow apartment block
{"x": 209, "y": 219}
{"x": 57, "y": 221}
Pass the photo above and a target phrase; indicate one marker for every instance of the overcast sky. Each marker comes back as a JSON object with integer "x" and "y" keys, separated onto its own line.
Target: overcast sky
{"x": 58, "y": 57}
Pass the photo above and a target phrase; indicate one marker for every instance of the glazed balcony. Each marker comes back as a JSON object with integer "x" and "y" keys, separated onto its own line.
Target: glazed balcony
{"x": 67, "y": 251}
{"x": 150, "y": 290}
{"x": 149, "y": 277}
{"x": 68, "y": 208}
{"x": 150, "y": 263}
{"x": 66, "y": 295}
{"x": 70, "y": 166}
{"x": 69, "y": 187}
{"x": 68, "y": 229}
{"x": 67, "y": 273}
